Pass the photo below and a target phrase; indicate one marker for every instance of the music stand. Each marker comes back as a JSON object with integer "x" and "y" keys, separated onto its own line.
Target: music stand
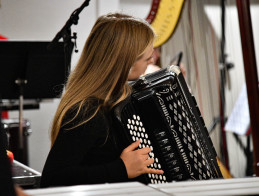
{"x": 30, "y": 71}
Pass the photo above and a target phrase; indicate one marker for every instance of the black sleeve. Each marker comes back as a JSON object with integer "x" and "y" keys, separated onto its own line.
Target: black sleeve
{"x": 6, "y": 183}
{"x": 80, "y": 156}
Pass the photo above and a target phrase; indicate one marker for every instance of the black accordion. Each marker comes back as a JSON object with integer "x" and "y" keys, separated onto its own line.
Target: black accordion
{"x": 163, "y": 115}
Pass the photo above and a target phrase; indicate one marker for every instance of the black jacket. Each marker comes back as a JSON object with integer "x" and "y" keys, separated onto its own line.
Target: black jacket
{"x": 6, "y": 183}
{"x": 88, "y": 154}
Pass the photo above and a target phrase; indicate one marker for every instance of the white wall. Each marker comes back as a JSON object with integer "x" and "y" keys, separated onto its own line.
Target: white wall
{"x": 37, "y": 20}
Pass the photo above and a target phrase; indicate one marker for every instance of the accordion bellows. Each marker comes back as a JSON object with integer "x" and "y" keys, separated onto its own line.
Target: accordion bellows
{"x": 163, "y": 115}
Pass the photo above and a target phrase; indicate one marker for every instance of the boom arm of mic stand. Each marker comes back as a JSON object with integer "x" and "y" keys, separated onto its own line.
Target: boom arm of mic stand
{"x": 66, "y": 28}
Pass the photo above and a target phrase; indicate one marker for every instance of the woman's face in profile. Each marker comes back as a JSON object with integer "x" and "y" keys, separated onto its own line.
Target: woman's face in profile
{"x": 141, "y": 64}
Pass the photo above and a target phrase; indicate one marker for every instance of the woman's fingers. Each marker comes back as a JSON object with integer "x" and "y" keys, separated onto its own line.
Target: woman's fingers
{"x": 145, "y": 157}
{"x": 144, "y": 151}
{"x": 149, "y": 162}
{"x": 132, "y": 146}
{"x": 153, "y": 171}
{"x": 137, "y": 161}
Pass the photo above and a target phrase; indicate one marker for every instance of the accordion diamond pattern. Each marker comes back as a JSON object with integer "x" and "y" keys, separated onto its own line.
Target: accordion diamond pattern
{"x": 174, "y": 104}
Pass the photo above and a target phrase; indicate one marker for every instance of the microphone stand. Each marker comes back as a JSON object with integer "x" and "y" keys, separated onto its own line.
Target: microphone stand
{"x": 21, "y": 83}
{"x": 65, "y": 33}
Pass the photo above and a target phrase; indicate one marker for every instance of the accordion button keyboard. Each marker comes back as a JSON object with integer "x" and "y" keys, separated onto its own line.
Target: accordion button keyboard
{"x": 169, "y": 157}
{"x": 172, "y": 164}
{"x": 166, "y": 149}
{"x": 178, "y": 177}
{"x": 176, "y": 169}
{"x": 160, "y": 135}
{"x": 163, "y": 142}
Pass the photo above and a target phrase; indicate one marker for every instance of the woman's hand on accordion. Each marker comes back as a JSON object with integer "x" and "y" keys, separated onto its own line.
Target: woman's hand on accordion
{"x": 136, "y": 161}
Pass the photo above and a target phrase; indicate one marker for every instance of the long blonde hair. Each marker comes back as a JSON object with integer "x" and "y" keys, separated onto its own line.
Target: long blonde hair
{"x": 113, "y": 46}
